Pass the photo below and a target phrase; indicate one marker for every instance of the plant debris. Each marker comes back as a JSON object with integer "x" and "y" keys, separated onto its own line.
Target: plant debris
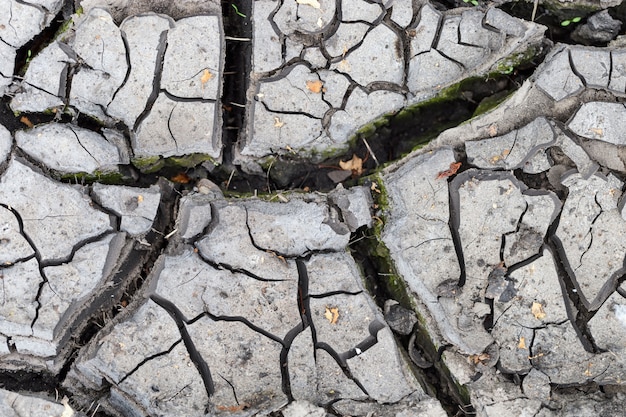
{"x": 454, "y": 167}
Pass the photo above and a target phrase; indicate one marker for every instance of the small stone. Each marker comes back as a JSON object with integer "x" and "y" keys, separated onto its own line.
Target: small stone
{"x": 599, "y": 29}
{"x": 400, "y": 319}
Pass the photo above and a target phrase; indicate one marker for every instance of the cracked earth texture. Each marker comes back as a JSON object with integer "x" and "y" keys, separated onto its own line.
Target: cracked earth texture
{"x": 131, "y": 295}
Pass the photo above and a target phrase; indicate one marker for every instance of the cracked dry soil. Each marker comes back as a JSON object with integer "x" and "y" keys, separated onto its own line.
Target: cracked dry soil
{"x": 153, "y": 263}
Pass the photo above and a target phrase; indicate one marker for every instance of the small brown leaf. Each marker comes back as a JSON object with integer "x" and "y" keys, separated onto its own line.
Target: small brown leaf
{"x": 332, "y": 314}
{"x": 206, "y": 76}
{"x": 26, "y": 121}
{"x": 480, "y": 358}
{"x": 355, "y": 165}
{"x": 493, "y": 130}
{"x": 454, "y": 167}
{"x": 314, "y": 86}
{"x": 181, "y": 178}
{"x": 522, "y": 343}
{"x": 537, "y": 310}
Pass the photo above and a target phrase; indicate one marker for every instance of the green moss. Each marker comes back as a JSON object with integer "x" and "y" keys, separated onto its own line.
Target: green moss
{"x": 69, "y": 23}
{"x": 152, "y": 164}
{"x": 507, "y": 65}
{"x": 190, "y": 160}
{"x": 104, "y": 177}
{"x": 490, "y": 103}
{"x": 148, "y": 164}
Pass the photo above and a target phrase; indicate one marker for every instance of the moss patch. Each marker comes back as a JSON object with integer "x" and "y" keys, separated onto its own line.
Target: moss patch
{"x": 104, "y": 177}
{"x": 153, "y": 164}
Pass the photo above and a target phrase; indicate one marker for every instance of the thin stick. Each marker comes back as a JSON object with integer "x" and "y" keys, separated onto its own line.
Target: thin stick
{"x": 230, "y": 178}
{"x": 367, "y": 145}
{"x": 267, "y": 176}
{"x": 96, "y": 410}
{"x": 232, "y": 38}
{"x": 532, "y": 18}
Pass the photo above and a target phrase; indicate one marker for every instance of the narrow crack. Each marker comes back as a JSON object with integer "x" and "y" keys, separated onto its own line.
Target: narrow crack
{"x": 574, "y": 70}
{"x": 148, "y": 359}
{"x": 158, "y": 72}
{"x": 194, "y": 355}
{"x": 454, "y": 224}
{"x": 128, "y": 68}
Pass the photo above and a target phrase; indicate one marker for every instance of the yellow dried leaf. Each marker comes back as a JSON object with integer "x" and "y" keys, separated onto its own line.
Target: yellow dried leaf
{"x": 314, "y": 86}
{"x": 355, "y": 165}
{"x": 312, "y": 3}
{"x": 206, "y": 76}
{"x": 278, "y": 123}
{"x": 597, "y": 131}
{"x": 139, "y": 198}
{"x": 537, "y": 310}
{"x": 344, "y": 65}
{"x": 481, "y": 358}
{"x": 493, "y": 130}
{"x": 331, "y": 314}
{"x": 522, "y": 343}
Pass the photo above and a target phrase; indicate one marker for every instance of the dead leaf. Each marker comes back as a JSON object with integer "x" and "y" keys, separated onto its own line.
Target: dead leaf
{"x": 332, "y": 314}
{"x": 597, "y": 131}
{"x": 206, "y": 76}
{"x": 67, "y": 410}
{"x": 454, "y": 167}
{"x": 278, "y": 123}
{"x": 26, "y": 121}
{"x": 480, "y": 358}
{"x": 537, "y": 310}
{"x": 344, "y": 65}
{"x": 313, "y": 3}
{"x": 314, "y": 86}
{"x": 231, "y": 408}
{"x": 139, "y": 198}
{"x": 522, "y": 343}
{"x": 374, "y": 187}
{"x": 181, "y": 178}
{"x": 493, "y": 130}
{"x": 355, "y": 165}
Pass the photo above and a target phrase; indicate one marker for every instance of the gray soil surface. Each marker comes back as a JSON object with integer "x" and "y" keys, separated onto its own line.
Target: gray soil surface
{"x": 298, "y": 208}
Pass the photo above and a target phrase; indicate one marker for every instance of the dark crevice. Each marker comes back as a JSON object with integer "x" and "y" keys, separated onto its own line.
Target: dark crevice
{"x": 454, "y": 223}
{"x": 331, "y": 293}
{"x": 248, "y": 324}
{"x": 341, "y": 362}
{"x": 158, "y": 72}
{"x": 284, "y": 359}
{"x": 237, "y": 69}
{"x": 128, "y": 68}
{"x": 194, "y": 355}
{"x": 235, "y": 270}
{"x": 574, "y": 70}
